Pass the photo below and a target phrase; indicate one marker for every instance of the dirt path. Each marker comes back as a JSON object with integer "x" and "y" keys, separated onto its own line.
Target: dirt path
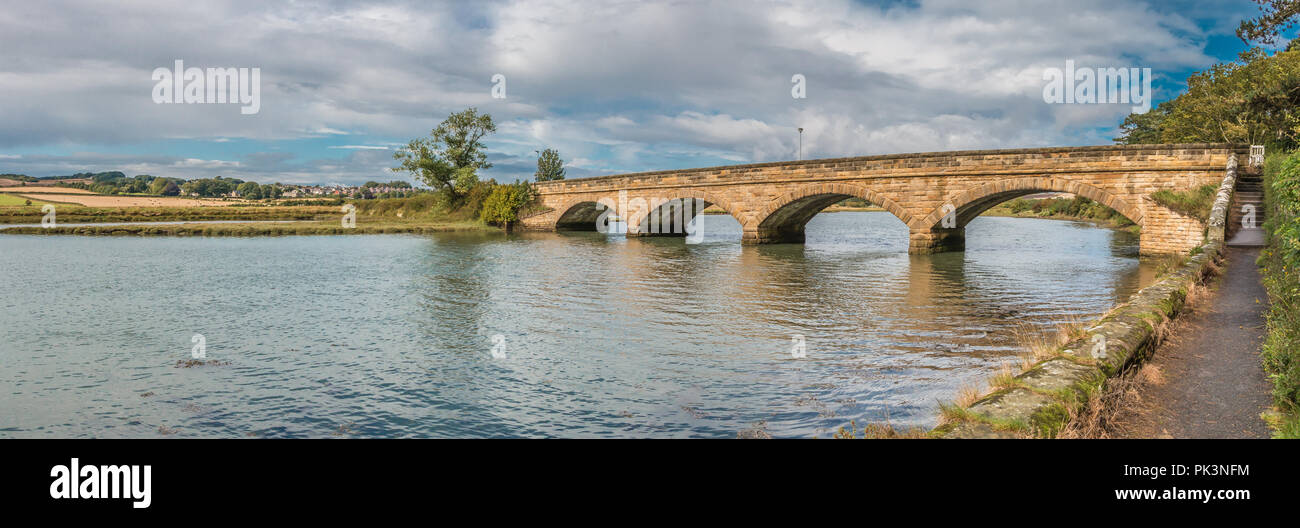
{"x": 1208, "y": 382}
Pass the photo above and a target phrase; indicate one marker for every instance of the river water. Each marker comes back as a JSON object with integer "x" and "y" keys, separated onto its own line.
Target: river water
{"x": 544, "y": 334}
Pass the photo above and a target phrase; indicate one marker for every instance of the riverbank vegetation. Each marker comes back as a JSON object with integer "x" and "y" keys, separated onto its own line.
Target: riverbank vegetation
{"x": 1063, "y": 208}
{"x": 319, "y": 227}
{"x": 77, "y": 214}
{"x": 1280, "y": 269}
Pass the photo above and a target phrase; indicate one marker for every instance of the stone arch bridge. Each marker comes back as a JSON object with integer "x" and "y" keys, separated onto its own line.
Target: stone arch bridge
{"x": 935, "y": 194}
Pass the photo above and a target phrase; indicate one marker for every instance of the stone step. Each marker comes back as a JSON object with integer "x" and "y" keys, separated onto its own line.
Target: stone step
{"x": 1247, "y": 238}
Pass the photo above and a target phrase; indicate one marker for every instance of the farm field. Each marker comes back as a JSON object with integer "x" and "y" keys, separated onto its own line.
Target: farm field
{"x": 43, "y": 189}
{"x": 99, "y": 200}
{"x": 7, "y": 200}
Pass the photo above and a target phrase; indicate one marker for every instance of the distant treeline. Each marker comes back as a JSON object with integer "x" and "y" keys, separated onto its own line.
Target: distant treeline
{"x": 26, "y": 178}
{"x": 117, "y": 182}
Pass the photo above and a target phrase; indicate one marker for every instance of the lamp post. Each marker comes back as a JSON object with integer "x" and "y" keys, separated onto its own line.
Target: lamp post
{"x": 800, "y": 143}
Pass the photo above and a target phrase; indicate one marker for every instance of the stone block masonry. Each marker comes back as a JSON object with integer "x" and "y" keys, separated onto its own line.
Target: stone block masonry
{"x": 935, "y": 194}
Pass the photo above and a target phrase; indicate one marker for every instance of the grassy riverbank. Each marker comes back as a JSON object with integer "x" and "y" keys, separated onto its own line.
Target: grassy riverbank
{"x": 332, "y": 227}
{"x": 420, "y": 214}
{"x": 1280, "y": 268}
{"x": 79, "y": 214}
{"x": 1077, "y": 208}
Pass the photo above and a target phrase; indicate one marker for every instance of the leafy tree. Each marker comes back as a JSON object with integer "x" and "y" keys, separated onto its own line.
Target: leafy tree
{"x": 449, "y": 158}
{"x": 461, "y": 134}
{"x": 211, "y": 187}
{"x": 157, "y": 185}
{"x": 549, "y": 166}
{"x": 1276, "y": 17}
{"x": 1144, "y": 128}
{"x": 170, "y": 189}
{"x": 503, "y": 204}
{"x": 102, "y": 177}
{"x": 250, "y": 190}
{"x": 422, "y": 158}
{"x": 1254, "y": 100}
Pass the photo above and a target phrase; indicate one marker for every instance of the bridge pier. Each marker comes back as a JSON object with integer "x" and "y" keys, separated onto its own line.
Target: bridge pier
{"x": 633, "y": 234}
{"x": 772, "y": 236}
{"x": 937, "y": 240}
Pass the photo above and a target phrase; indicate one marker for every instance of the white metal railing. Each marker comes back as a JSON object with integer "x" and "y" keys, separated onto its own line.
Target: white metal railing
{"x": 1256, "y": 156}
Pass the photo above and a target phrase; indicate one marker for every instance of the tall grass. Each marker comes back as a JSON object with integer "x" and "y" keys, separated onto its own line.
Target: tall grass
{"x": 1280, "y": 267}
{"x": 440, "y": 206}
{"x": 1195, "y": 203}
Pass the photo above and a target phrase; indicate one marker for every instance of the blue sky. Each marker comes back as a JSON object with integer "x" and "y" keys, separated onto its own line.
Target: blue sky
{"x": 617, "y": 86}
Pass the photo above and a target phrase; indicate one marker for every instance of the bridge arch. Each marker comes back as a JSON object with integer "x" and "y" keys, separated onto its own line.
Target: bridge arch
{"x": 577, "y": 215}
{"x": 581, "y": 214}
{"x": 783, "y": 218}
{"x": 929, "y": 234}
{"x": 646, "y": 222}
{"x": 975, "y": 201}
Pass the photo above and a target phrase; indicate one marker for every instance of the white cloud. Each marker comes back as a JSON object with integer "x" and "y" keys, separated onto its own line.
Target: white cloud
{"x": 615, "y": 86}
{"x": 207, "y": 164}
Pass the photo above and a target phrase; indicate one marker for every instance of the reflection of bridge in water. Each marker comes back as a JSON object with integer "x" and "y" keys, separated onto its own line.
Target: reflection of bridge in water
{"x": 935, "y": 194}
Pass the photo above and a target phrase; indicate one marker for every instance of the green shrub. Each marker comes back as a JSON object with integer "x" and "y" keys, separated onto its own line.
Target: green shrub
{"x": 502, "y": 205}
{"x": 1020, "y": 205}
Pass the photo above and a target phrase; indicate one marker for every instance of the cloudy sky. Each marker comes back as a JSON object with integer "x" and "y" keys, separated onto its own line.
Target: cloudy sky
{"x": 617, "y": 86}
